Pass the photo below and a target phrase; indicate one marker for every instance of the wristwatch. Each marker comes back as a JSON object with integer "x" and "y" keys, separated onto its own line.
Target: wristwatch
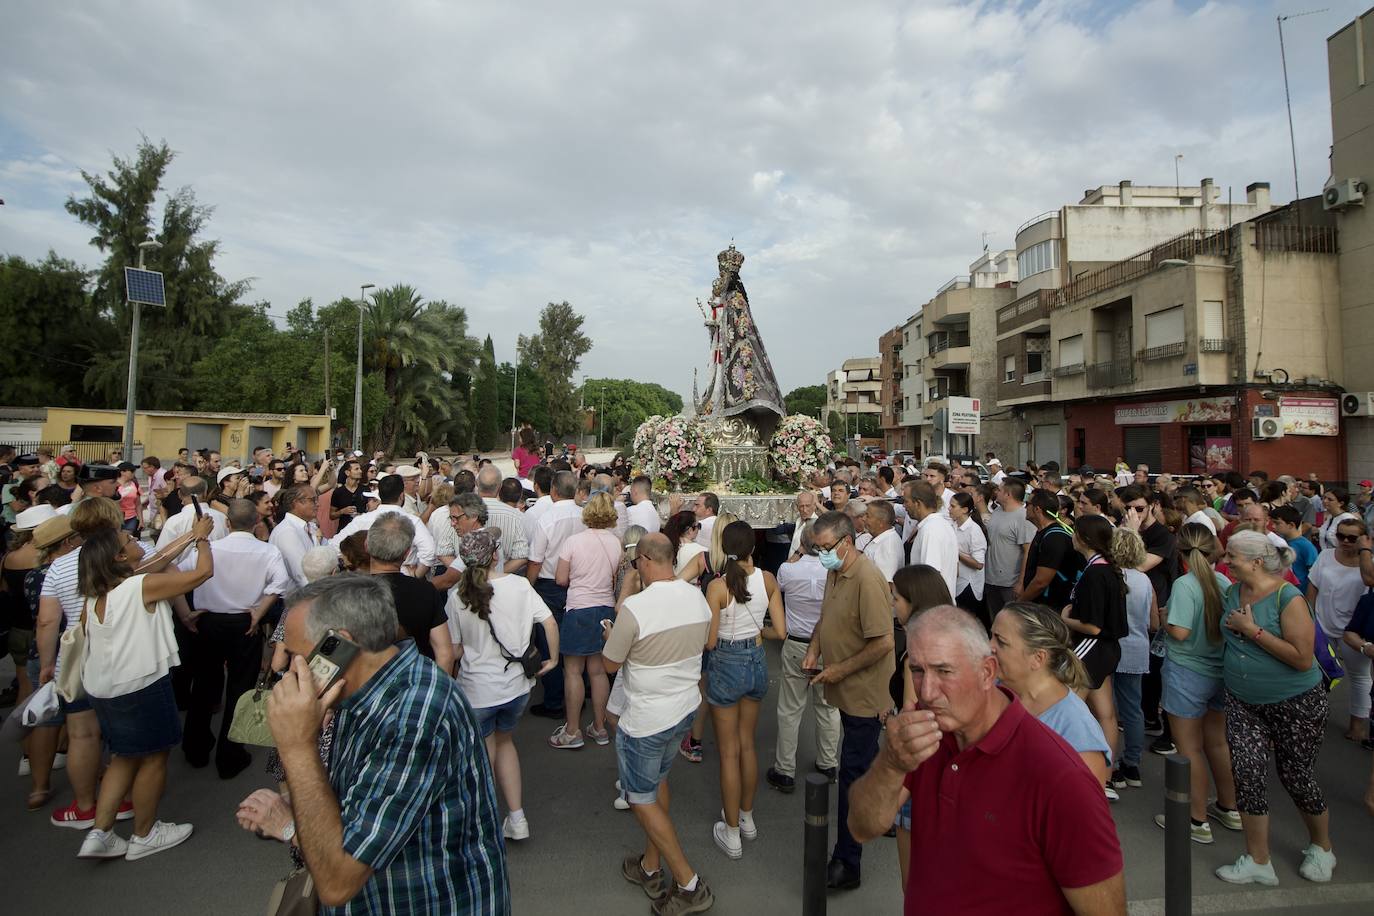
{"x": 288, "y": 833}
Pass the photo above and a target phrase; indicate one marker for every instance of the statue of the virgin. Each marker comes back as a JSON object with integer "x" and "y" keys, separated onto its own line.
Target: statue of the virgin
{"x": 741, "y": 401}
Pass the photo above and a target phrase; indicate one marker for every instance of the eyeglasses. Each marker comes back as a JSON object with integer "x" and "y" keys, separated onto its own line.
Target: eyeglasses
{"x": 832, "y": 545}
{"x": 1347, "y": 538}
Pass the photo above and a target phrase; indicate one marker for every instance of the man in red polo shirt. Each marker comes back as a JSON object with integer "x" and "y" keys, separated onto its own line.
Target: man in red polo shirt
{"x": 1004, "y": 814}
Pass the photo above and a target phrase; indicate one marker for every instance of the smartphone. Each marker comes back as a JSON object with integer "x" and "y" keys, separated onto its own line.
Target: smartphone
{"x": 811, "y": 672}
{"x": 199, "y": 511}
{"x": 330, "y": 659}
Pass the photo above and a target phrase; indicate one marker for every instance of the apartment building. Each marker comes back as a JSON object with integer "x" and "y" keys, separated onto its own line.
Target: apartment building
{"x": 895, "y": 435}
{"x": 958, "y": 325}
{"x": 854, "y": 391}
{"x": 1057, "y": 250}
{"x": 1350, "y": 54}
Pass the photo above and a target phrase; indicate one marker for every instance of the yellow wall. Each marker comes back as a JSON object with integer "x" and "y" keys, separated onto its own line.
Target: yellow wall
{"x": 163, "y": 435}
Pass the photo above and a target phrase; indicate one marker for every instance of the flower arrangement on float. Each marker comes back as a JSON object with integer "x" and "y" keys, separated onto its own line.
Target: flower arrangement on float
{"x": 672, "y": 449}
{"x": 799, "y": 446}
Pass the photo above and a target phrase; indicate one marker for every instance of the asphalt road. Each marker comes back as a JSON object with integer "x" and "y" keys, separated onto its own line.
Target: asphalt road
{"x": 571, "y": 862}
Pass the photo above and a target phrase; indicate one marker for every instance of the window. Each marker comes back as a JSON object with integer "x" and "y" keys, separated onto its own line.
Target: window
{"x": 1009, "y": 369}
{"x": 1164, "y": 328}
{"x": 1035, "y": 362}
{"x": 1213, "y": 327}
{"x": 1038, "y": 257}
{"x": 1071, "y": 351}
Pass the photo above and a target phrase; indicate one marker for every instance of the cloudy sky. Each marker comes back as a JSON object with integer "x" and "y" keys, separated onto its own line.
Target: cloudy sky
{"x": 501, "y": 156}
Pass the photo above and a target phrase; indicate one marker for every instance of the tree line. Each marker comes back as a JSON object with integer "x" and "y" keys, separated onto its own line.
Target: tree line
{"x": 427, "y": 380}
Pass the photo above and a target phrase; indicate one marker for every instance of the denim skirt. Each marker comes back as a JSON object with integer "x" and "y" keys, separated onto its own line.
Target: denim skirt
{"x": 579, "y": 633}
{"x": 140, "y": 723}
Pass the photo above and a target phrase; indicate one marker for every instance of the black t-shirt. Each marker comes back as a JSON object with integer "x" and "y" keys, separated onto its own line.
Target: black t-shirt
{"x": 171, "y": 503}
{"x": 1052, "y": 546}
{"x": 1099, "y": 599}
{"x": 1161, "y": 542}
{"x": 341, "y": 498}
{"x": 419, "y": 608}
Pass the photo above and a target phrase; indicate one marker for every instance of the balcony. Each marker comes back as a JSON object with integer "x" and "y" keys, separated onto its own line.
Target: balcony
{"x": 1110, "y": 375}
{"x": 1167, "y": 351}
{"x": 1215, "y": 345}
{"x": 941, "y": 342}
{"x": 1027, "y": 313}
{"x": 1071, "y": 369}
{"x": 1033, "y": 378}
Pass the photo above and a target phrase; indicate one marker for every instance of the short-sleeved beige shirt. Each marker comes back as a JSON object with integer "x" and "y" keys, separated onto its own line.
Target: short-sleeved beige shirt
{"x": 857, "y": 607}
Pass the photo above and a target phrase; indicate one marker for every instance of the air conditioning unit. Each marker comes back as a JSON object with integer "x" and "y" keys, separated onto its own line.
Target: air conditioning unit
{"x": 1266, "y": 428}
{"x": 1343, "y": 193}
{"x": 1357, "y": 404}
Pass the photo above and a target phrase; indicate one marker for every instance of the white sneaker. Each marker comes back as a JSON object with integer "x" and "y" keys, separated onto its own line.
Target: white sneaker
{"x": 747, "y": 828}
{"x": 1112, "y": 794}
{"x": 161, "y": 838}
{"x": 101, "y": 845}
{"x": 516, "y": 830}
{"x": 1247, "y": 871}
{"x": 59, "y": 761}
{"x": 727, "y": 840}
{"x": 1317, "y": 864}
{"x": 24, "y": 766}
{"x": 621, "y": 803}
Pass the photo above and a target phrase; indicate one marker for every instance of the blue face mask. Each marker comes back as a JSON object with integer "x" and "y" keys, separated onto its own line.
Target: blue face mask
{"x": 830, "y": 559}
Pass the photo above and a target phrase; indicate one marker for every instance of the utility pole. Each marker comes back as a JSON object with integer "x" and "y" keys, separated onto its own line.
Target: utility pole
{"x": 131, "y": 398}
{"x": 358, "y": 382}
{"x": 330, "y": 424}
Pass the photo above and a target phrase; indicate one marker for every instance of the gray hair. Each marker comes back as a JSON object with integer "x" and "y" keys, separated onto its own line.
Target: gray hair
{"x": 856, "y": 507}
{"x": 390, "y": 537}
{"x": 471, "y": 505}
{"x": 242, "y": 515}
{"x": 808, "y": 539}
{"x": 193, "y": 486}
{"x": 953, "y": 621}
{"x": 319, "y": 562}
{"x": 489, "y": 480}
{"x": 354, "y": 602}
{"x": 1255, "y": 545}
{"x": 836, "y": 523}
{"x": 565, "y": 485}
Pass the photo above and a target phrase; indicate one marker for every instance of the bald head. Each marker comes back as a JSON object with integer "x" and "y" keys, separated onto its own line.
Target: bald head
{"x": 488, "y": 481}
{"x": 654, "y": 558}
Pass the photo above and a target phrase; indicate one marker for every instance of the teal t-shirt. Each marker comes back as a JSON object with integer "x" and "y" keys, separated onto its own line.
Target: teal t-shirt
{"x": 1186, "y": 609}
{"x": 1251, "y": 673}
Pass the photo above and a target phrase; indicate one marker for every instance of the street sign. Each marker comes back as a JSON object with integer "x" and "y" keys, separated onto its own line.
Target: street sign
{"x": 964, "y": 416}
{"x": 144, "y": 286}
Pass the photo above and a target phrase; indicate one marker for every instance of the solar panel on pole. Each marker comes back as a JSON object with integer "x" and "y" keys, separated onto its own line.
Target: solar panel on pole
{"x": 144, "y": 286}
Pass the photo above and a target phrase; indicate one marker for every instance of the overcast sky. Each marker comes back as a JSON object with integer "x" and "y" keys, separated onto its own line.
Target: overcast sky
{"x": 500, "y": 156}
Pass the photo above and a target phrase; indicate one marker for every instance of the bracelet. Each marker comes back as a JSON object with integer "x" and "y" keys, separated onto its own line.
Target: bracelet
{"x": 1366, "y": 550}
{"x": 1259, "y": 631}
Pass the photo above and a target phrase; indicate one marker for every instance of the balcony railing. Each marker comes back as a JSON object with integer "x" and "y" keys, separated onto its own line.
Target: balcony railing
{"x": 1215, "y": 345}
{"x": 944, "y": 342}
{"x": 1286, "y": 237}
{"x": 1167, "y": 351}
{"x": 1110, "y": 375}
{"x": 1028, "y": 308}
{"x": 1048, "y": 214}
{"x": 1181, "y": 247}
{"x": 1031, "y": 378}
{"x": 1071, "y": 369}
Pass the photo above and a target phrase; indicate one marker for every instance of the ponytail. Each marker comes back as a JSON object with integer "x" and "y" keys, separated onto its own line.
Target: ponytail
{"x": 737, "y": 542}
{"x": 1199, "y": 547}
{"x": 1042, "y": 630}
{"x": 476, "y": 591}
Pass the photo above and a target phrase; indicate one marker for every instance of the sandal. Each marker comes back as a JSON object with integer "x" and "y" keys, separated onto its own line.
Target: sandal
{"x": 39, "y": 799}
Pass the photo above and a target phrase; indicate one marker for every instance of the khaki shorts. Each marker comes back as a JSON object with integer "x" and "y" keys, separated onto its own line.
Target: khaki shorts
{"x": 17, "y": 644}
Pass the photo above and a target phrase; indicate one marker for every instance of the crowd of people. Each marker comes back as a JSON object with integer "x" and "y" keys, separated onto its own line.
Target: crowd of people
{"x": 1029, "y": 633}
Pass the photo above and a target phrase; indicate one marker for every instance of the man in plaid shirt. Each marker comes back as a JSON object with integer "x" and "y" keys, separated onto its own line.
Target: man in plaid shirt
{"x": 405, "y": 820}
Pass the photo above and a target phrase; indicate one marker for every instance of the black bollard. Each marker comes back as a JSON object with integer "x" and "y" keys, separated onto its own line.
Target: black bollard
{"x": 817, "y": 844}
{"x": 1178, "y": 849}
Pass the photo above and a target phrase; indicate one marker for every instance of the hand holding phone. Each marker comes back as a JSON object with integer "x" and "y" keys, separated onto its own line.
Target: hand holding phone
{"x": 196, "y": 503}
{"x": 330, "y": 659}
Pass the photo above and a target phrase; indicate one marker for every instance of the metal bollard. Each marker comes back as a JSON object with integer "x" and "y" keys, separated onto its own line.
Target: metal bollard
{"x": 816, "y": 851}
{"x": 1178, "y": 848}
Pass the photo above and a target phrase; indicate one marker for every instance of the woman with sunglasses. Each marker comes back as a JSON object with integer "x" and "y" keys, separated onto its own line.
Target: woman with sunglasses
{"x": 1335, "y": 585}
{"x": 131, "y": 650}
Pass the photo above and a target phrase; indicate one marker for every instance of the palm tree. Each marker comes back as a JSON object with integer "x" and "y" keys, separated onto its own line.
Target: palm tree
{"x": 416, "y": 344}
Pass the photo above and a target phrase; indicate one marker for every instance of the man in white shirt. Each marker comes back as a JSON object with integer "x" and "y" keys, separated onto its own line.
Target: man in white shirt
{"x": 706, "y": 509}
{"x": 806, "y": 512}
{"x": 181, "y": 523}
{"x": 995, "y": 473}
{"x": 643, "y": 512}
{"x": 563, "y": 520}
{"x": 297, "y": 532}
{"x": 411, "y": 475}
{"x": 802, "y": 583}
{"x": 885, "y": 549}
{"x": 658, "y": 636}
{"x": 249, "y": 577}
{"x": 936, "y": 543}
{"x": 1195, "y": 505}
{"x": 509, "y": 523}
{"x": 937, "y": 475}
{"x": 390, "y": 491}
{"x": 541, "y": 478}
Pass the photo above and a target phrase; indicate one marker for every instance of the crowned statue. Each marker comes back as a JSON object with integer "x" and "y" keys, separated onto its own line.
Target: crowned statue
{"x": 741, "y": 403}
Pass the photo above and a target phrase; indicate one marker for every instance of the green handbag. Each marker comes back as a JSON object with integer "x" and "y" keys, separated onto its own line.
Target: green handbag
{"x": 249, "y": 725}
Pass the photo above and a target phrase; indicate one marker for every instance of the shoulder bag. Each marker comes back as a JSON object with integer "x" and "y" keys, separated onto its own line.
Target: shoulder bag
{"x": 249, "y": 725}
{"x": 71, "y": 659}
{"x": 294, "y": 895}
{"x": 530, "y": 661}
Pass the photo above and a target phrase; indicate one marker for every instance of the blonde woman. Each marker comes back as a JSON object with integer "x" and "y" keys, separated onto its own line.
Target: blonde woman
{"x": 704, "y": 568}
{"x": 587, "y": 565}
{"x": 1194, "y": 694}
{"x": 1142, "y": 612}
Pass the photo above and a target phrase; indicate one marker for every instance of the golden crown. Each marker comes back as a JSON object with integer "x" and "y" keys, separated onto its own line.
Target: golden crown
{"x": 730, "y": 259}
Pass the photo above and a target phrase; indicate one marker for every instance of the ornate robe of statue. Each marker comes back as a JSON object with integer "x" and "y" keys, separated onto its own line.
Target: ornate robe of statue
{"x": 741, "y": 398}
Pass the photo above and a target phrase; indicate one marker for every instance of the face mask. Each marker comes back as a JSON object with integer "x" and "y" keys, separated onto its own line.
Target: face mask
{"x": 830, "y": 559}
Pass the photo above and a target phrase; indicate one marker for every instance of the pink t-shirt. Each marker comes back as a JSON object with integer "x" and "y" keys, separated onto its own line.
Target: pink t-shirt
{"x": 592, "y": 556}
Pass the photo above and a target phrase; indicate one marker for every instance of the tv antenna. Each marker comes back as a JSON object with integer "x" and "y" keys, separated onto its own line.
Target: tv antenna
{"x": 1288, "y": 98}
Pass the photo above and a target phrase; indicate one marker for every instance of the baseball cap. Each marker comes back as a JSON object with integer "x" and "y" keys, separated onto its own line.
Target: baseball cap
{"x": 407, "y": 470}
{"x": 1367, "y": 484}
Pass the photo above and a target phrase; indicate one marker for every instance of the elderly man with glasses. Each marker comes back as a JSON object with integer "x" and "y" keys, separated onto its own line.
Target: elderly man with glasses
{"x": 298, "y": 531}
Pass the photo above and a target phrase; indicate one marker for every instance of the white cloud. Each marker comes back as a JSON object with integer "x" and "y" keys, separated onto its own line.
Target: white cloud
{"x": 502, "y": 156}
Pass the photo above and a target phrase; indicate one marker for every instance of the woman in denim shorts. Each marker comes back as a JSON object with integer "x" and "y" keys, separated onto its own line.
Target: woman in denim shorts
{"x": 1192, "y": 675}
{"x": 745, "y": 606}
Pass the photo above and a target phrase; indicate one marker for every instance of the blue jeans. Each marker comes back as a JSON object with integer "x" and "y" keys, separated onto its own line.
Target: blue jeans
{"x": 644, "y": 762}
{"x": 555, "y": 597}
{"x": 858, "y": 747}
{"x": 1126, "y": 691}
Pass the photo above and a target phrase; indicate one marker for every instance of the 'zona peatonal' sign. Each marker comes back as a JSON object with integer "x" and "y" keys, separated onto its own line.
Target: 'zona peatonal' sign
{"x": 964, "y": 417}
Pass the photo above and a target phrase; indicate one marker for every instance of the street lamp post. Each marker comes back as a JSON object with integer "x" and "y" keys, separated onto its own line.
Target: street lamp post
{"x": 358, "y": 382}
{"x": 601, "y": 436}
{"x": 130, "y": 403}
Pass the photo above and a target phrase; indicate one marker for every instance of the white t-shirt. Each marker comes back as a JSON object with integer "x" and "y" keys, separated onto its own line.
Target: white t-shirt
{"x": 659, "y": 635}
{"x": 973, "y": 542}
{"x": 937, "y": 545}
{"x": 1200, "y": 517}
{"x": 803, "y": 589}
{"x": 686, "y": 553}
{"x": 483, "y": 675}
{"x": 1339, "y": 588}
{"x": 885, "y": 551}
{"x": 645, "y": 515}
{"x": 708, "y": 525}
{"x": 534, "y": 513}
{"x": 562, "y": 521}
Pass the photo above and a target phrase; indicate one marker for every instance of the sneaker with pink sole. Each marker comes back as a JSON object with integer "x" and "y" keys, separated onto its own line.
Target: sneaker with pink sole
{"x": 565, "y": 740}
